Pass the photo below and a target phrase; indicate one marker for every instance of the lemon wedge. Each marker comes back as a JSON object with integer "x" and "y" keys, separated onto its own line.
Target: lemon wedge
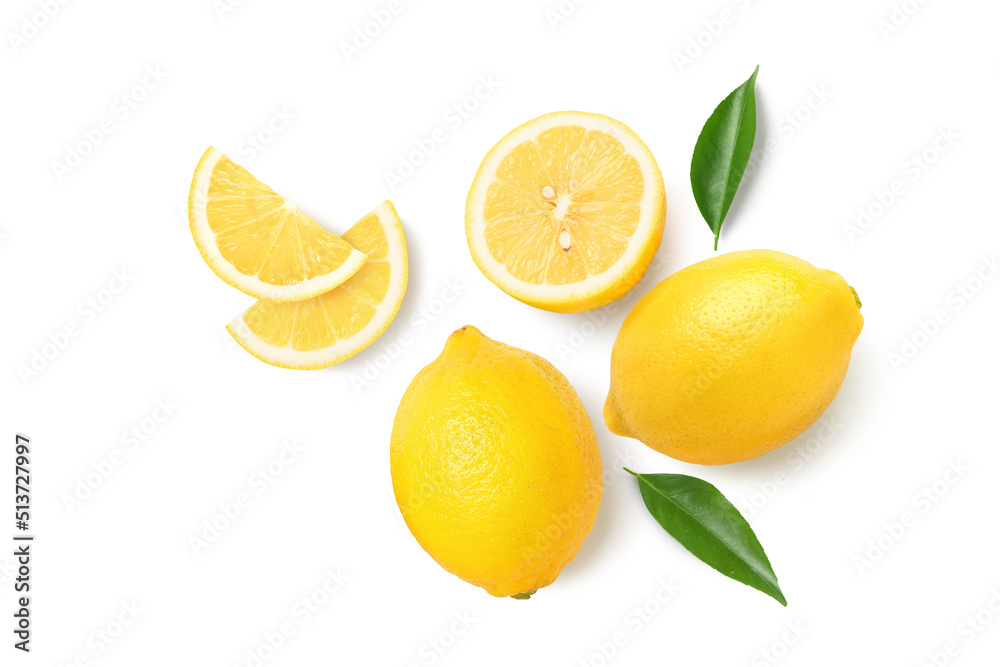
{"x": 566, "y": 211}
{"x": 257, "y": 241}
{"x": 336, "y": 325}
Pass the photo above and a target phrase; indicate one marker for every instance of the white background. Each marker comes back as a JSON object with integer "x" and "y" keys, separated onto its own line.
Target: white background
{"x": 894, "y": 430}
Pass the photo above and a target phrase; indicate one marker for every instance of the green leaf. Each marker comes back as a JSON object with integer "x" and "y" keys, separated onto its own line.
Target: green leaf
{"x": 722, "y": 153}
{"x": 698, "y": 516}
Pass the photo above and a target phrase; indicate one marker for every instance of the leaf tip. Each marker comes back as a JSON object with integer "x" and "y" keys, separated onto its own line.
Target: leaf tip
{"x": 857, "y": 299}
{"x": 773, "y": 590}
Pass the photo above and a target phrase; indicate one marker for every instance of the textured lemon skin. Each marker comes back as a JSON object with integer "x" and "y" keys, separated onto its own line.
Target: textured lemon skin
{"x": 495, "y": 465}
{"x": 732, "y": 357}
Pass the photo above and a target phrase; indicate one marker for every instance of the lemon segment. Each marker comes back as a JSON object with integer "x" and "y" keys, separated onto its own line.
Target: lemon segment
{"x": 566, "y": 211}
{"x": 329, "y": 328}
{"x": 257, "y": 241}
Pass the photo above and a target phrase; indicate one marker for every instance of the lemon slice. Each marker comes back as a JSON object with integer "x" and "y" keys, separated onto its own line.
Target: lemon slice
{"x": 331, "y": 327}
{"x": 566, "y": 211}
{"x": 257, "y": 241}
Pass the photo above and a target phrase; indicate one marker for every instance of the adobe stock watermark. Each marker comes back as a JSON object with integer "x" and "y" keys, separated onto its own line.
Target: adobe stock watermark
{"x": 253, "y": 144}
{"x": 561, "y": 12}
{"x": 303, "y": 610}
{"x": 34, "y": 22}
{"x": 789, "y": 124}
{"x": 7, "y": 570}
{"x": 223, "y": 8}
{"x": 956, "y": 300}
{"x": 382, "y": 356}
{"x": 771, "y": 309}
{"x": 596, "y": 320}
{"x": 419, "y": 494}
{"x": 632, "y": 624}
{"x": 615, "y": 471}
{"x": 257, "y": 484}
{"x": 230, "y": 343}
{"x": 107, "y": 635}
{"x": 921, "y": 504}
{"x": 795, "y": 460}
{"x": 708, "y": 33}
{"x": 453, "y": 118}
{"x": 86, "y": 312}
{"x": 121, "y": 109}
{"x": 966, "y": 632}
{"x": 580, "y": 334}
{"x": 899, "y": 15}
{"x": 912, "y": 170}
{"x": 130, "y": 441}
{"x": 375, "y": 24}
{"x": 553, "y": 533}
{"x": 779, "y": 649}
{"x": 435, "y": 648}
{"x": 257, "y": 141}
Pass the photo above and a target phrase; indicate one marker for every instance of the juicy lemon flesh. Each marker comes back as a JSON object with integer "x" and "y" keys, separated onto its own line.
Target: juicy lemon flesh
{"x": 261, "y": 234}
{"x": 495, "y": 465}
{"x": 732, "y": 357}
{"x": 320, "y": 322}
{"x": 563, "y": 206}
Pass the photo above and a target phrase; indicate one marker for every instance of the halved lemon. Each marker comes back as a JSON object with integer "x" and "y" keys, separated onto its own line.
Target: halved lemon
{"x": 566, "y": 211}
{"x": 257, "y": 241}
{"x": 331, "y": 327}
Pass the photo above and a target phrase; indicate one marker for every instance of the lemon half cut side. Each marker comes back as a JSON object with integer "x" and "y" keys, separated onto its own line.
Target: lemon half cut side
{"x": 566, "y": 211}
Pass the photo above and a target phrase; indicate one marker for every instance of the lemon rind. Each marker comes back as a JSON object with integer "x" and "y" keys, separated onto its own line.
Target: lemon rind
{"x": 204, "y": 238}
{"x": 288, "y": 357}
{"x": 648, "y": 231}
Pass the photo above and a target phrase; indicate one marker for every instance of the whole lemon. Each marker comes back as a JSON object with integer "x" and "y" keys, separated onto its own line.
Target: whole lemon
{"x": 495, "y": 465}
{"x": 731, "y": 357}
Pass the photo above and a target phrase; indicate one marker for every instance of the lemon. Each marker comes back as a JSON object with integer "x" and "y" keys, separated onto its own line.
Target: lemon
{"x": 731, "y": 357}
{"x": 495, "y": 465}
{"x": 335, "y": 325}
{"x": 257, "y": 241}
{"x": 566, "y": 212}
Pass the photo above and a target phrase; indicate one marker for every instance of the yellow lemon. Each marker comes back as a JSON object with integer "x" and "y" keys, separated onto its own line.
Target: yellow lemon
{"x": 259, "y": 242}
{"x": 495, "y": 465}
{"x": 731, "y": 357}
{"x": 566, "y": 211}
{"x": 329, "y": 328}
